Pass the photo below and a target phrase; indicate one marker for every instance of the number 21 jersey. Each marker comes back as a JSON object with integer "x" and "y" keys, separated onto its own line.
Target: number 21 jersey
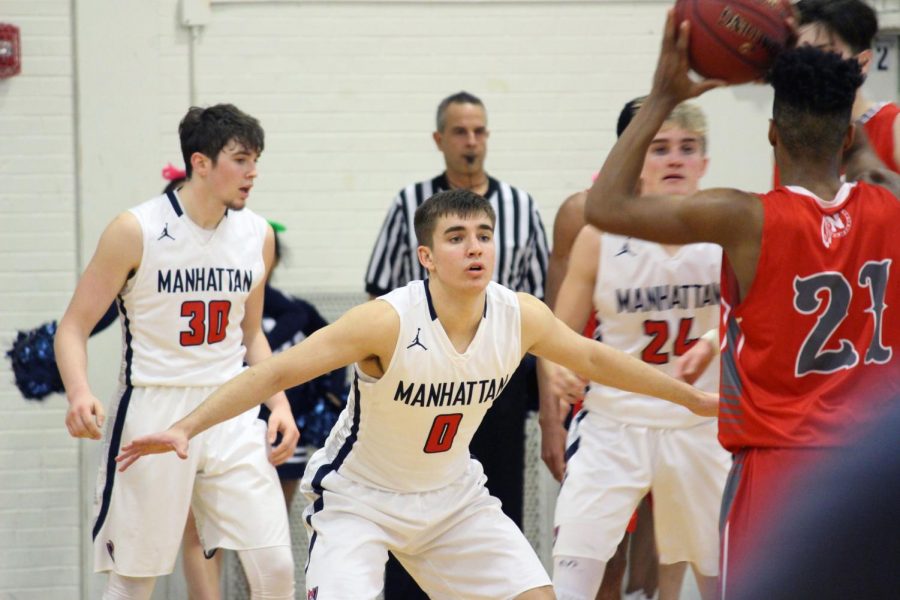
{"x": 811, "y": 349}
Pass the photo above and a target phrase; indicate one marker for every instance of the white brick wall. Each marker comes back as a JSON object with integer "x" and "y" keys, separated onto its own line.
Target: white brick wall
{"x": 39, "y": 517}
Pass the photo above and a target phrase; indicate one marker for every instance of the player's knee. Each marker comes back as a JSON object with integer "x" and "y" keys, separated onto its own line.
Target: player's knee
{"x": 270, "y": 572}
{"x": 120, "y": 587}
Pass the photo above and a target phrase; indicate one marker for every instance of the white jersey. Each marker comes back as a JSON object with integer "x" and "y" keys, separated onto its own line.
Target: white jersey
{"x": 182, "y": 310}
{"x": 653, "y": 305}
{"x": 410, "y": 430}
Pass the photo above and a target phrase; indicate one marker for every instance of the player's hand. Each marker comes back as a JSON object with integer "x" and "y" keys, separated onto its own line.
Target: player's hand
{"x": 171, "y": 440}
{"x": 693, "y": 363}
{"x": 671, "y": 79}
{"x": 282, "y": 421}
{"x": 566, "y": 385}
{"x": 553, "y": 443}
{"x": 705, "y": 404}
{"x": 85, "y": 416}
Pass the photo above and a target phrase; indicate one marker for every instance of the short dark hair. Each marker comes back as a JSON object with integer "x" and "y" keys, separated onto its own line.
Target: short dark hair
{"x": 208, "y": 130}
{"x": 463, "y": 203}
{"x": 814, "y": 94}
{"x": 627, "y": 114}
{"x": 854, "y": 21}
{"x": 457, "y": 98}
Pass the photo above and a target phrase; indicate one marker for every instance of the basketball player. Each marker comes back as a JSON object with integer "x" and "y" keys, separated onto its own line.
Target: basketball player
{"x": 187, "y": 269}
{"x": 848, "y": 27}
{"x": 637, "y": 550}
{"x": 652, "y": 301}
{"x": 396, "y": 473}
{"x": 810, "y": 348}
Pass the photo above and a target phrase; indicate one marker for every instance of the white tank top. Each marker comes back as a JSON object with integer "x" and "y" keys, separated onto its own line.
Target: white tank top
{"x": 651, "y": 304}
{"x": 181, "y": 312}
{"x": 410, "y": 430}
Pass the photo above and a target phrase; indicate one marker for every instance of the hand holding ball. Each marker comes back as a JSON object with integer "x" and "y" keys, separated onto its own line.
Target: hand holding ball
{"x": 735, "y": 40}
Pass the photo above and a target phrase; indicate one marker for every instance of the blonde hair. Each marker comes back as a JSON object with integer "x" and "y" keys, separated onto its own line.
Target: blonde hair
{"x": 690, "y": 117}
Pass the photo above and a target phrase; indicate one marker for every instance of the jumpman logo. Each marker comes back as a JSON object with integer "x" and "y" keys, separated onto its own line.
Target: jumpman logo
{"x": 625, "y": 249}
{"x": 416, "y": 341}
{"x": 165, "y": 233}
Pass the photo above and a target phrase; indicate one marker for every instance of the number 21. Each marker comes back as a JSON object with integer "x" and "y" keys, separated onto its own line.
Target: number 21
{"x": 808, "y": 298}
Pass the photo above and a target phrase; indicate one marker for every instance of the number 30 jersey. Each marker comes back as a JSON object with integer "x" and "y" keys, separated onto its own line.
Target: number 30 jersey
{"x": 181, "y": 311}
{"x": 654, "y": 305}
{"x": 410, "y": 429}
{"x": 812, "y": 348}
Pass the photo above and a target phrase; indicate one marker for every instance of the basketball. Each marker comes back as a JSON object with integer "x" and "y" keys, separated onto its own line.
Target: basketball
{"x": 734, "y": 40}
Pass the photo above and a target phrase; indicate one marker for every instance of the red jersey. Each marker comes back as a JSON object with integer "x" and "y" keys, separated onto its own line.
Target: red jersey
{"x": 878, "y": 122}
{"x": 814, "y": 347}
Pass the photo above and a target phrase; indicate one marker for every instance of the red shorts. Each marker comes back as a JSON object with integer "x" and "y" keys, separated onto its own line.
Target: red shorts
{"x": 758, "y": 486}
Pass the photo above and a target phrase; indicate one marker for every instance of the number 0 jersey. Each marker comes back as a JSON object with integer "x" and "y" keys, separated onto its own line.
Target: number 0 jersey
{"x": 811, "y": 350}
{"x": 181, "y": 311}
{"x": 410, "y": 430}
{"x": 654, "y": 305}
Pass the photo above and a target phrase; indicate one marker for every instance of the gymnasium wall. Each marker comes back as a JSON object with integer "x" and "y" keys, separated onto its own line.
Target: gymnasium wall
{"x": 346, "y": 91}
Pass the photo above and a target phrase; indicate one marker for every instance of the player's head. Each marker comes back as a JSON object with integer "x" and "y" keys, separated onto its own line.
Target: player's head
{"x": 843, "y": 26}
{"x": 211, "y": 130}
{"x": 222, "y": 144}
{"x": 462, "y": 133}
{"x": 814, "y": 94}
{"x": 676, "y": 159}
{"x": 455, "y": 230}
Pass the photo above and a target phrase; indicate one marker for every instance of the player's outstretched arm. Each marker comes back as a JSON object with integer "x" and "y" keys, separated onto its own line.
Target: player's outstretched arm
{"x": 118, "y": 253}
{"x": 368, "y": 331}
{"x": 546, "y": 336}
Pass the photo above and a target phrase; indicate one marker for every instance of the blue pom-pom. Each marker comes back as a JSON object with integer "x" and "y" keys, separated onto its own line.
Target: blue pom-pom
{"x": 34, "y": 363}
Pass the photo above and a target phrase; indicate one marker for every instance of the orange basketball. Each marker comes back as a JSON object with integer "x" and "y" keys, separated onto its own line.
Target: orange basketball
{"x": 735, "y": 40}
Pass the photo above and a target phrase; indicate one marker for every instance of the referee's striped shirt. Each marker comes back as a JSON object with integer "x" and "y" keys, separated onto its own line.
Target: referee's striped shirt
{"x": 519, "y": 237}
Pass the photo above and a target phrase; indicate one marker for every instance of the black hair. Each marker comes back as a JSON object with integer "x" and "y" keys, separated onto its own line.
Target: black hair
{"x": 854, "y": 21}
{"x": 463, "y": 203}
{"x": 457, "y": 98}
{"x": 208, "y": 130}
{"x": 627, "y": 114}
{"x": 814, "y": 94}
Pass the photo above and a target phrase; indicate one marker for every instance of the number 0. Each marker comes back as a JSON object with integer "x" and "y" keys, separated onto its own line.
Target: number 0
{"x": 442, "y": 433}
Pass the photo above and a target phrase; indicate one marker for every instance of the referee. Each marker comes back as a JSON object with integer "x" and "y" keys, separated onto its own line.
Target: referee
{"x": 521, "y": 246}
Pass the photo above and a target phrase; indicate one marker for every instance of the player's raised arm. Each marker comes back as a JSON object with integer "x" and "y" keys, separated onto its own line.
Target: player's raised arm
{"x": 546, "y": 336}
{"x": 368, "y": 331}
{"x": 728, "y": 217}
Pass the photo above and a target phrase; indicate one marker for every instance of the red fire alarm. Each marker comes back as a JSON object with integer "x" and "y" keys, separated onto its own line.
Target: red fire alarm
{"x": 10, "y": 55}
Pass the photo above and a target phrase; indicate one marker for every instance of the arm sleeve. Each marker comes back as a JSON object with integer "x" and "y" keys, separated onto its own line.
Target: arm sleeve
{"x": 385, "y": 264}
{"x": 538, "y": 254}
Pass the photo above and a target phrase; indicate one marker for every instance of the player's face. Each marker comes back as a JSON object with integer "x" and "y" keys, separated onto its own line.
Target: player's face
{"x": 462, "y": 252}
{"x": 674, "y": 163}
{"x": 233, "y": 174}
{"x": 463, "y": 142}
{"x": 817, "y": 36}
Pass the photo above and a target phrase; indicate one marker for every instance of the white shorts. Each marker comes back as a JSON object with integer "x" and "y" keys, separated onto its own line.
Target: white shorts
{"x": 614, "y": 465}
{"x": 454, "y": 541}
{"x": 226, "y": 480}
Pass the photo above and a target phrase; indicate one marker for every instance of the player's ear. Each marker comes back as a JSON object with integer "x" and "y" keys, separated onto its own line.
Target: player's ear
{"x": 864, "y": 59}
{"x": 773, "y": 133}
{"x": 438, "y": 138}
{"x": 200, "y": 163}
{"x": 425, "y": 257}
{"x": 849, "y": 136}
